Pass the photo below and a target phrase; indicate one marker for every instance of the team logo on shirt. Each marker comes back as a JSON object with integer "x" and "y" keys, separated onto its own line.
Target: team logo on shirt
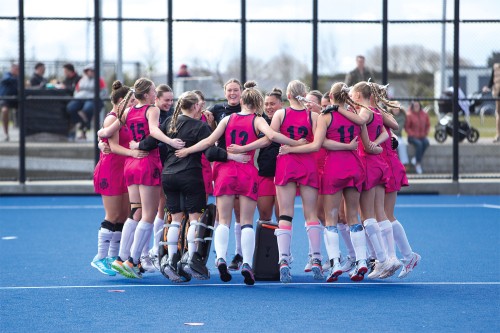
{"x": 104, "y": 183}
{"x": 156, "y": 173}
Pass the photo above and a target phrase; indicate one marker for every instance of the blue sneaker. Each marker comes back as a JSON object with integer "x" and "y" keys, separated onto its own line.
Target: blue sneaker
{"x": 247, "y": 272}
{"x": 285, "y": 275}
{"x": 102, "y": 266}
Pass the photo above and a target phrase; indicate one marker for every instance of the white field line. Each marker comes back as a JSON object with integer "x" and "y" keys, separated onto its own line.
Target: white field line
{"x": 263, "y": 284}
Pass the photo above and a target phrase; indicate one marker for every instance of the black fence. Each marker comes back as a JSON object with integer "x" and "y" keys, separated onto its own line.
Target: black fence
{"x": 315, "y": 23}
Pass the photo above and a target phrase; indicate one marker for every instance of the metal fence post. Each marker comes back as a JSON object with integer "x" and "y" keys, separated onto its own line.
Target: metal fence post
{"x": 20, "y": 99}
{"x": 385, "y": 50}
{"x": 315, "y": 45}
{"x": 243, "y": 59}
{"x": 456, "y": 80}
{"x": 97, "y": 71}
{"x": 170, "y": 74}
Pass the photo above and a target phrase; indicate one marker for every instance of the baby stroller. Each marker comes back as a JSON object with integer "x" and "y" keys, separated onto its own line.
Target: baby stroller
{"x": 444, "y": 127}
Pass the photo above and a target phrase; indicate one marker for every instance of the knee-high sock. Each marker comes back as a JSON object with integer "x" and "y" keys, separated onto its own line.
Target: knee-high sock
{"x": 127, "y": 238}
{"x": 157, "y": 226}
{"x": 221, "y": 238}
{"x": 173, "y": 237}
{"x": 369, "y": 248}
{"x": 141, "y": 236}
{"x": 104, "y": 237}
{"x": 331, "y": 236}
{"x": 314, "y": 235}
{"x": 284, "y": 238}
{"x": 309, "y": 242}
{"x": 237, "y": 237}
{"x": 344, "y": 232}
{"x": 401, "y": 239}
{"x": 190, "y": 238}
{"x": 373, "y": 233}
{"x": 388, "y": 237}
{"x": 358, "y": 239}
{"x": 114, "y": 245}
{"x": 247, "y": 243}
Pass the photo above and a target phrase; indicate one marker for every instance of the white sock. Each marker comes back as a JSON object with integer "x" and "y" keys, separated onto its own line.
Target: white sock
{"x": 373, "y": 232}
{"x": 147, "y": 245}
{"x": 104, "y": 237}
{"x": 369, "y": 248}
{"x": 358, "y": 239}
{"x": 388, "y": 237}
{"x": 157, "y": 226}
{"x": 128, "y": 232}
{"x": 314, "y": 235}
{"x": 141, "y": 236}
{"x": 221, "y": 238}
{"x": 344, "y": 232}
{"x": 114, "y": 245}
{"x": 248, "y": 244}
{"x": 173, "y": 237}
{"x": 190, "y": 238}
{"x": 331, "y": 236}
{"x": 401, "y": 239}
{"x": 284, "y": 237}
{"x": 237, "y": 237}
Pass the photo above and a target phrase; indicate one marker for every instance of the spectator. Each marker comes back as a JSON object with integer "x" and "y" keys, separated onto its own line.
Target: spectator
{"x": 417, "y": 126}
{"x": 37, "y": 80}
{"x": 183, "y": 71}
{"x": 8, "y": 87}
{"x": 494, "y": 87}
{"x": 400, "y": 117}
{"x": 81, "y": 111}
{"x": 71, "y": 78}
{"x": 360, "y": 73}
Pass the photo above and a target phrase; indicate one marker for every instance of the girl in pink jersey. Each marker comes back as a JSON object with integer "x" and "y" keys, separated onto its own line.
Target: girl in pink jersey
{"x": 232, "y": 179}
{"x": 142, "y": 176}
{"x": 110, "y": 184}
{"x": 391, "y": 229}
{"x": 376, "y": 171}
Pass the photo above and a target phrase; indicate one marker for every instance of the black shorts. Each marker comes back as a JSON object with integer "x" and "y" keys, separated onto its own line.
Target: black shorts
{"x": 11, "y": 104}
{"x": 187, "y": 186}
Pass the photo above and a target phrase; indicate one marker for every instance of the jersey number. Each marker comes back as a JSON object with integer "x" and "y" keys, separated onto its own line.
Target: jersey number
{"x": 302, "y": 131}
{"x": 243, "y": 136}
{"x": 341, "y": 131}
{"x": 138, "y": 131}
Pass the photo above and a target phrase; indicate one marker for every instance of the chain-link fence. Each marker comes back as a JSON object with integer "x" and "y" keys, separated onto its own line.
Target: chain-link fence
{"x": 416, "y": 46}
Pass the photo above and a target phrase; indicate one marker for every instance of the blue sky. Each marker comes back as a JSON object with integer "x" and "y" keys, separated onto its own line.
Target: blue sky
{"x": 51, "y": 40}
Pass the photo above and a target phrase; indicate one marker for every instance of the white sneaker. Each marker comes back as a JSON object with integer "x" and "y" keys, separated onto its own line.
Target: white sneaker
{"x": 349, "y": 265}
{"x": 409, "y": 265}
{"x": 334, "y": 273}
{"x": 309, "y": 264}
{"x": 327, "y": 265}
{"x": 147, "y": 265}
{"x": 418, "y": 169}
{"x": 153, "y": 256}
{"x": 380, "y": 269}
{"x": 413, "y": 160}
{"x": 395, "y": 266}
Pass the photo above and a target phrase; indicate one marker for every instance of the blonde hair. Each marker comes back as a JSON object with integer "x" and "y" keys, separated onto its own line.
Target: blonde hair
{"x": 340, "y": 94}
{"x": 141, "y": 87}
{"x": 296, "y": 88}
{"x": 380, "y": 94}
{"x": 185, "y": 102}
{"x": 252, "y": 97}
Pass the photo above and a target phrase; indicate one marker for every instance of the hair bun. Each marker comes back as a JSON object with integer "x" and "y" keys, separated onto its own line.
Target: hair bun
{"x": 117, "y": 85}
{"x": 277, "y": 91}
{"x": 250, "y": 84}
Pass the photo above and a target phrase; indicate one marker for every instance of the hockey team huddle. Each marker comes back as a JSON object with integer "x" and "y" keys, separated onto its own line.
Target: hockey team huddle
{"x": 335, "y": 151}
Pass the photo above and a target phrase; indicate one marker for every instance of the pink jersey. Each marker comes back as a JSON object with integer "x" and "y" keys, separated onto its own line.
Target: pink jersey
{"x": 397, "y": 171}
{"x": 376, "y": 169}
{"x": 233, "y": 178}
{"x": 207, "y": 169}
{"x": 343, "y": 168}
{"x": 108, "y": 173}
{"x": 147, "y": 170}
{"x": 299, "y": 168}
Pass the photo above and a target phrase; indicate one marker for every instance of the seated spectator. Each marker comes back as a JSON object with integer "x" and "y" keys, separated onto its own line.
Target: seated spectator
{"x": 81, "y": 111}
{"x": 400, "y": 117}
{"x": 183, "y": 71}
{"x": 71, "y": 78}
{"x": 37, "y": 80}
{"x": 417, "y": 126}
{"x": 8, "y": 87}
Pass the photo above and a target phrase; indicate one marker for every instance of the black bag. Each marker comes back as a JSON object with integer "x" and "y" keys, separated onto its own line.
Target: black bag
{"x": 266, "y": 255}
